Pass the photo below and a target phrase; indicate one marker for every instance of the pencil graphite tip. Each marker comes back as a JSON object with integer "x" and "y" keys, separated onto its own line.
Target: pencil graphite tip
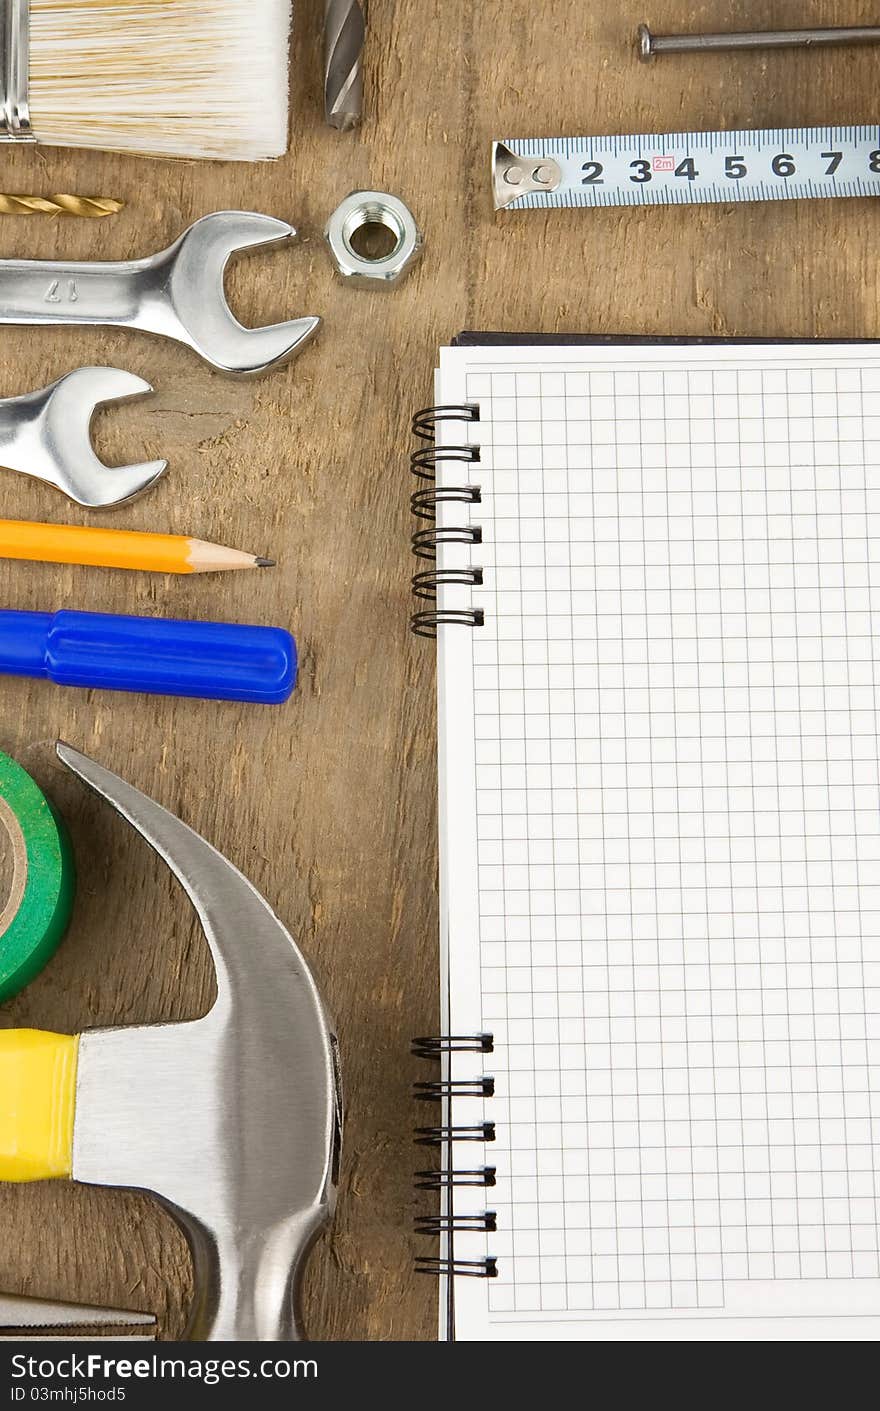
{"x": 264, "y": 563}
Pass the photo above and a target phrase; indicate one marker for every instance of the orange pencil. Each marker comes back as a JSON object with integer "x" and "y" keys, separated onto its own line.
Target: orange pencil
{"x": 118, "y": 548}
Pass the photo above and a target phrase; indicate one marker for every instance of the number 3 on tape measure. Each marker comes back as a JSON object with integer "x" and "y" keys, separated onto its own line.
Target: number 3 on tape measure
{"x": 684, "y": 168}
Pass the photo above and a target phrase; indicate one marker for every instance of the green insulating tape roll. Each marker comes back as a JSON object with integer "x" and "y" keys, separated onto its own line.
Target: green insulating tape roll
{"x": 37, "y": 913}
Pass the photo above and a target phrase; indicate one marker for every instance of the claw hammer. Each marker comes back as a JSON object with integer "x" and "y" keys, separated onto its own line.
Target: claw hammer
{"x": 233, "y": 1121}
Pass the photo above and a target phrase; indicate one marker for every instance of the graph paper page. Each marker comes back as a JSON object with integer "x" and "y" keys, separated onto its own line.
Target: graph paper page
{"x": 661, "y": 839}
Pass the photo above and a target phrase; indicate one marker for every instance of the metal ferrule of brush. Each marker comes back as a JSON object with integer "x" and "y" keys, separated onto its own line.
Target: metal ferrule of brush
{"x": 15, "y": 118}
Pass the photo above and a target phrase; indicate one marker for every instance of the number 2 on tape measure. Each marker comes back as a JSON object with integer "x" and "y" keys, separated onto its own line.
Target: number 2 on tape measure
{"x": 679, "y": 168}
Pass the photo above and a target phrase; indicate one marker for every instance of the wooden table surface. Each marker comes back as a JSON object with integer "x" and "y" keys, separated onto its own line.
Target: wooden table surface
{"x": 328, "y": 803}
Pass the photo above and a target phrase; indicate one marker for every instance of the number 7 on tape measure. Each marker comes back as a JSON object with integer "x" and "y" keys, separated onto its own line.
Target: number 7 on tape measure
{"x": 684, "y": 168}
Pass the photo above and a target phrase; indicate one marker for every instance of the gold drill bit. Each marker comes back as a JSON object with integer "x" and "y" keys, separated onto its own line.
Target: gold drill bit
{"x": 93, "y": 207}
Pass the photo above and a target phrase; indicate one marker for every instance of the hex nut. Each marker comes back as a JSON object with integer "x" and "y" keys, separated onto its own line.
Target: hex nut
{"x": 373, "y": 208}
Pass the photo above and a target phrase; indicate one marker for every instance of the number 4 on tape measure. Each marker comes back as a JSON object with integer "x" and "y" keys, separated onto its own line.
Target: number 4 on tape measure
{"x": 684, "y": 168}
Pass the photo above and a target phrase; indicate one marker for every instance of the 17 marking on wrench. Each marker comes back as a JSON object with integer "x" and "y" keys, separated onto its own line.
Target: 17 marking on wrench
{"x": 686, "y": 168}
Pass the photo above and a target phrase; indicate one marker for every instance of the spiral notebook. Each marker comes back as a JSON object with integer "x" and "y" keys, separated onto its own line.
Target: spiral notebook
{"x": 656, "y": 594}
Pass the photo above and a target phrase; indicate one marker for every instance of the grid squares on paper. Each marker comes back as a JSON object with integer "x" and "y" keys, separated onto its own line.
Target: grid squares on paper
{"x": 678, "y": 814}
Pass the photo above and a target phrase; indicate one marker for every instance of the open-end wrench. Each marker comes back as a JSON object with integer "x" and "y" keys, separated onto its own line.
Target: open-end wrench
{"x": 46, "y": 434}
{"x": 177, "y": 294}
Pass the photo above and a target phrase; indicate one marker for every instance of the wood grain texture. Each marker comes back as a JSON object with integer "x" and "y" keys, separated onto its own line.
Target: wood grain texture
{"x": 328, "y": 803}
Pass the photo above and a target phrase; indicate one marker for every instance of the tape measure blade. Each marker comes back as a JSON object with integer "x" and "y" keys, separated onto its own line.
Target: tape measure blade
{"x": 691, "y": 168}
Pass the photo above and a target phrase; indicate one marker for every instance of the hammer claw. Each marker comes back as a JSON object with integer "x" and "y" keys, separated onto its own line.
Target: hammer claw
{"x": 224, "y": 899}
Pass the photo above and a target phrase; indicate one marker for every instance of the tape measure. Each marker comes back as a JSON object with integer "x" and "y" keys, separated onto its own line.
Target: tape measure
{"x": 40, "y": 901}
{"x": 685, "y": 168}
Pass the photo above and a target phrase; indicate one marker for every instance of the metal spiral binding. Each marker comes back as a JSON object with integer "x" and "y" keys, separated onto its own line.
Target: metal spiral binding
{"x": 445, "y": 1180}
{"x": 446, "y": 1223}
{"x": 486, "y": 1221}
{"x": 424, "y": 502}
{"x": 454, "y": 1087}
{"x": 424, "y": 462}
{"x": 439, "y": 1136}
{"x": 424, "y": 585}
{"x": 425, "y": 541}
{"x": 435, "y": 1045}
{"x": 425, "y": 422}
{"x": 462, "y": 1268}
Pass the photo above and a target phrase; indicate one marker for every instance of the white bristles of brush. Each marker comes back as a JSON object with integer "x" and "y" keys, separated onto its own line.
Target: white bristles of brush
{"x": 167, "y": 78}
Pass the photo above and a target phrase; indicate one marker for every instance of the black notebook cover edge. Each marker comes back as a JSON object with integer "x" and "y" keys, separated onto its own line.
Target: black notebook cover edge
{"x": 471, "y": 339}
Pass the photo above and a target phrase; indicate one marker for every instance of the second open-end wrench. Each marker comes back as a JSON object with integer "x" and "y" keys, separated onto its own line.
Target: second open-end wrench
{"x": 46, "y": 434}
{"x": 177, "y": 294}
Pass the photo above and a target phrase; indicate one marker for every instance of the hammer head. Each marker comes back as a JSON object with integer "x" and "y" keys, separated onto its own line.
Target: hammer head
{"x": 233, "y": 1120}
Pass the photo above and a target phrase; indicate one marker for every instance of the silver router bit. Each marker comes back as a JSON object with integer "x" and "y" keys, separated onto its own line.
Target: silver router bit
{"x": 344, "y": 35}
{"x": 650, "y": 45}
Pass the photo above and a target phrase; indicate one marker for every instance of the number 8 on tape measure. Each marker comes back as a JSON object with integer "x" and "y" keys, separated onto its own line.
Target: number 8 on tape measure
{"x": 684, "y": 168}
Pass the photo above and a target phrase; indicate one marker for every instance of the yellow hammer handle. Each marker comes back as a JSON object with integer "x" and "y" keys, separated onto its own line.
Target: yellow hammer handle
{"x": 37, "y": 1104}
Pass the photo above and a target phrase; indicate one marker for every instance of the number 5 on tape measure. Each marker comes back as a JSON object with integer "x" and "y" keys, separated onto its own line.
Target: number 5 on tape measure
{"x": 684, "y": 168}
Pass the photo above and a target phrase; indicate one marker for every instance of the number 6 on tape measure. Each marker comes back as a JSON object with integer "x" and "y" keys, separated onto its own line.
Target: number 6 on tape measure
{"x": 685, "y": 168}
{"x": 37, "y": 912}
